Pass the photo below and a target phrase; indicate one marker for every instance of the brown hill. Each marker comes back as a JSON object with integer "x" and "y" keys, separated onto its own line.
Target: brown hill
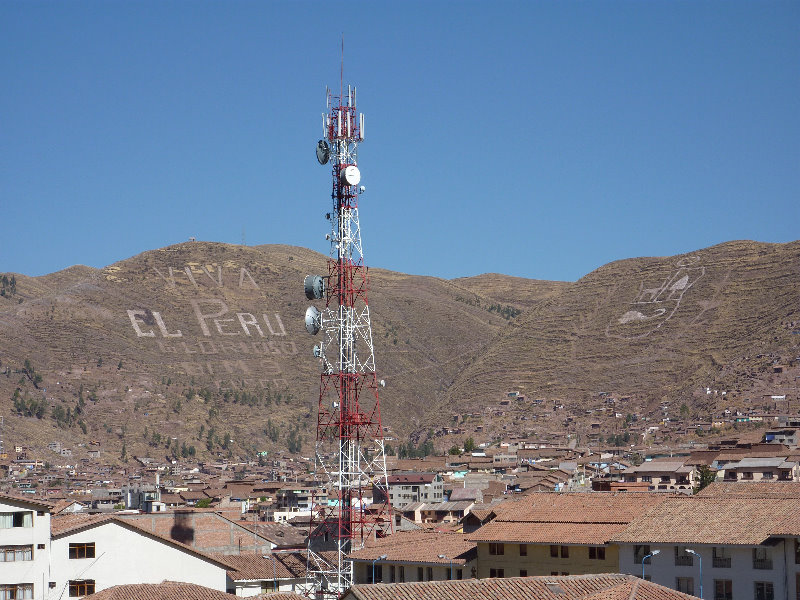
{"x": 202, "y": 343}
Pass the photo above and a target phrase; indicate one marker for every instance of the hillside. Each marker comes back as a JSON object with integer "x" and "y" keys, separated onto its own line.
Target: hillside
{"x": 200, "y": 344}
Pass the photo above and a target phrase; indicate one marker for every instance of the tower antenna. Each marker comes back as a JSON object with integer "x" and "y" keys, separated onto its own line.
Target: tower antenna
{"x": 350, "y": 460}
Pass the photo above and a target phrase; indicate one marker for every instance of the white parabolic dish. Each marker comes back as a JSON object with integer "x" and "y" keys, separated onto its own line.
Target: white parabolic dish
{"x": 351, "y": 175}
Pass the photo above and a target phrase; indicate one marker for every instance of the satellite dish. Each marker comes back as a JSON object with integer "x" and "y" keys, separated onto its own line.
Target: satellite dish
{"x": 313, "y": 320}
{"x": 318, "y": 351}
{"x": 351, "y": 175}
{"x": 315, "y": 287}
{"x": 323, "y": 152}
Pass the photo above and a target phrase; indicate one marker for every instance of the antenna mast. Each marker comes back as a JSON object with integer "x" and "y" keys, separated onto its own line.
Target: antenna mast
{"x": 350, "y": 457}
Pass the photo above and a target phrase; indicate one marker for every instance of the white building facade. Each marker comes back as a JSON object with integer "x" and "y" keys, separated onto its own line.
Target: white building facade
{"x": 24, "y": 548}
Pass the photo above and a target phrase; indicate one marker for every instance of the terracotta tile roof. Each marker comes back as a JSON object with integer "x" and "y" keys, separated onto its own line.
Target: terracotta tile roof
{"x": 279, "y": 534}
{"x": 576, "y": 587}
{"x": 412, "y": 478}
{"x": 269, "y": 567}
{"x": 594, "y": 507}
{"x": 419, "y": 546}
{"x": 749, "y": 489}
{"x": 27, "y": 500}
{"x": 167, "y": 590}
{"x": 547, "y": 533}
{"x": 710, "y": 520}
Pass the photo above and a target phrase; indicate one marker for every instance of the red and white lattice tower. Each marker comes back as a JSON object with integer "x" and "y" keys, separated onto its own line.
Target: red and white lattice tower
{"x": 350, "y": 459}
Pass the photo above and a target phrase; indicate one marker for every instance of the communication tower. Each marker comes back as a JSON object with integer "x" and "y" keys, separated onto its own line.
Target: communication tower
{"x": 349, "y": 457}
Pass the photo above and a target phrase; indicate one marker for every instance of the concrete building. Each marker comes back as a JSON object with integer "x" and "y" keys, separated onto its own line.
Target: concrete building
{"x": 557, "y": 534}
{"x": 405, "y": 488}
{"x": 24, "y": 547}
{"x": 92, "y": 553}
{"x": 725, "y": 548}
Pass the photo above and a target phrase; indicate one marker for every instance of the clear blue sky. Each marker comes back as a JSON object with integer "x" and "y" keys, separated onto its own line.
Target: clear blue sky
{"x": 537, "y": 139}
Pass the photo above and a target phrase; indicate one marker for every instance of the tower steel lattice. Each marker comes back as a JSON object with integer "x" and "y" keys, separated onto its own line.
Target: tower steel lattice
{"x": 349, "y": 459}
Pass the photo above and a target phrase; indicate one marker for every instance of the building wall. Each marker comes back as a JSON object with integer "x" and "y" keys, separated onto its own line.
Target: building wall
{"x": 124, "y": 556}
{"x": 539, "y": 562}
{"x": 783, "y": 575}
{"x": 362, "y": 572}
{"x": 34, "y": 571}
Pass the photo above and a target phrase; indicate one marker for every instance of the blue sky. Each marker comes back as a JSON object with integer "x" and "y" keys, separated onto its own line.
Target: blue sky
{"x": 536, "y": 139}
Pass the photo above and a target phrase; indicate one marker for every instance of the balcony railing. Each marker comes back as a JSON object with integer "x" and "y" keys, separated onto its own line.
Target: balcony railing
{"x": 722, "y": 562}
{"x": 684, "y": 561}
{"x": 762, "y": 563}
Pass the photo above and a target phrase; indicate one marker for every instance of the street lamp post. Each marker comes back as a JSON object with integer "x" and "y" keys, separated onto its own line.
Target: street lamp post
{"x": 451, "y": 564}
{"x": 381, "y": 557}
{"x": 700, "y": 558}
{"x": 653, "y": 553}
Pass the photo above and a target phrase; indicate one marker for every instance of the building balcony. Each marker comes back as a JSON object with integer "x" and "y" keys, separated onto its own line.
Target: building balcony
{"x": 722, "y": 562}
{"x": 684, "y": 561}
{"x": 762, "y": 563}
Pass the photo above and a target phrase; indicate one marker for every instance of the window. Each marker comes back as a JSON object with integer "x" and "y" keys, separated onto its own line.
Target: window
{"x": 420, "y": 574}
{"x": 767, "y": 475}
{"x": 747, "y": 475}
{"x": 553, "y": 551}
{"x": 797, "y": 552}
{"x": 764, "y": 591}
{"x": 721, "y": 557}
{"x": 430, "y": 573}
{"x": 377, "y": 573}
{"x": 564, "y": 551}
{"x": 597, "y": 552}
{"x": 16, "y": 591}
{"x": 391, "y": 574}
{"x": 685, "y": 585}
{"x": 402, "y": 573}
{"x": 81, "y": 587}
{"x": 16, "y": 519}
{"x": 523, "y": 572}
{"x": 500, "y": 573}
{"x": 267, "y": 586}
{"x": 459, "y": 574}
{"x": 15, "y": 553}
{"x": 723, "y": 589}
{"x": 647, "y": 478}
{"x": 496, "y": 549}
{"x": 81, "y": 550}
{"x": 762, "y": 558}
{"x": 682, "y": 557}
{"x": 639, "y": 552}
{"x": 523, "y": 549}
{"x": 564, "y": 573}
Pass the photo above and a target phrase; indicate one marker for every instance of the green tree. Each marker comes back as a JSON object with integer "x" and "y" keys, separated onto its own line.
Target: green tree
{"x": 469, "y": 445}
{"x": 705, "y": 476}
{"x": 454, "y": 450}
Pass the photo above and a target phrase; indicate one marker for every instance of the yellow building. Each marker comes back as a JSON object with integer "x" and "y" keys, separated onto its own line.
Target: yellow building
{"x": 557, "y": 534}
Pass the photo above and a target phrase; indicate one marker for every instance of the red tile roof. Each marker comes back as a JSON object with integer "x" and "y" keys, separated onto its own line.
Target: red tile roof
{"x": 547, "y": 533}
{"x": 168, "y": 590}
{"x": 575, "y": 587}
{"x": 711, "y": 520}
{"x": 419, "y": 547}
{"x": 747, "y": 489}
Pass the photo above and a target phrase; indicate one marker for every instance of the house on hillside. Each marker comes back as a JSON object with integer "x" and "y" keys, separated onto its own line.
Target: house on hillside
{"x": 405, "y": 488}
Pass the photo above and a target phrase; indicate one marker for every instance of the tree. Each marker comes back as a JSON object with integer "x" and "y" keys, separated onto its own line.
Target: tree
{"x": 454, "y": 450}
{"x": 705, "y": 476}
{"x": 469, "y": 445}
